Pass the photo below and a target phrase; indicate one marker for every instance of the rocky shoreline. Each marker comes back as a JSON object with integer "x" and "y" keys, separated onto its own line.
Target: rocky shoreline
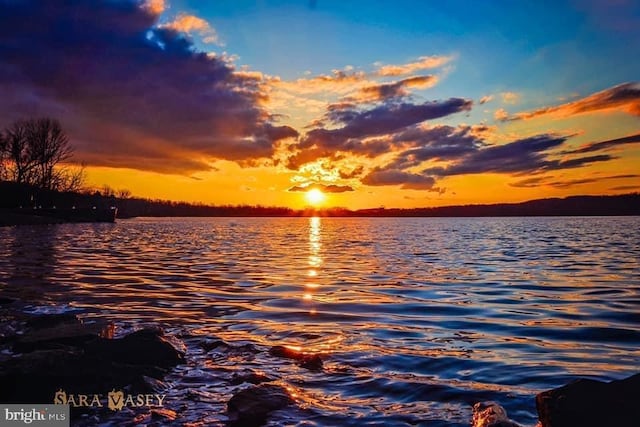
{"x": 62, "y": 358}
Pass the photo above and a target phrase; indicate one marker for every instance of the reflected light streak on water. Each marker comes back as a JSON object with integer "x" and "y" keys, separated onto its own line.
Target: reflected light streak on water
{"x": 417, "y": 318}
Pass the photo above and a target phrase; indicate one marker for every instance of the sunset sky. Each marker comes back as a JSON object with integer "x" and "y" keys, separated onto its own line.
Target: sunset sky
{"x": 401, "y": 104}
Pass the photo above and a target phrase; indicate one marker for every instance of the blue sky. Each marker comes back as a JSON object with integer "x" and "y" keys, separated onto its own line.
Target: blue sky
{"x": 416, "y": 103}
{"x": 565, "y": 47}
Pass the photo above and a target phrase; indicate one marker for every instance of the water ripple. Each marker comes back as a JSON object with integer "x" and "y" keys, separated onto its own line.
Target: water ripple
{"x": 416, "y": 318}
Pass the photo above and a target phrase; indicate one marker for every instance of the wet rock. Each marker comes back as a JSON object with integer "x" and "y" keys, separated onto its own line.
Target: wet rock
{"x": 490, "y": 414}
{"x": 223, "y": 347}
{"x": 143, "y": 347}
{"x": 251, "y": 377}
{"x": 209, "y": 345}
{"x": 306, "y": 360}
{"x": 590, "y": 403}
{"x": 52, "y": 320}
{"x": 252, "y": 406}
{"x": 6, "y": 301}
{"x": 65, "y": 332}
{"x": 75, "y": 358}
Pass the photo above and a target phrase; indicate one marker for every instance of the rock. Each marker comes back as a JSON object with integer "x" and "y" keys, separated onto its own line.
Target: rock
{"x": 590, "y": 403}
{"x": 306, "y": 360}
{"x": 249, "y": 377}
{"x": 223, "y": 347}
{"x": 143, "y": 347}
{"x": 52, "y": 320}
{"x": 6, "y": 301}
{"x": 252, "y": 406}
{"x": 209, "y": 345}
{"x": 490, "y": 414}
{"x": 85, "y": 364}
{"x": 67, "y": 333}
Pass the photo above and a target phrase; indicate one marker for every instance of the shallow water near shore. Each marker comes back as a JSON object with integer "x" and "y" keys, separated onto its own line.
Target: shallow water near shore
{"x": 416, "y": 318}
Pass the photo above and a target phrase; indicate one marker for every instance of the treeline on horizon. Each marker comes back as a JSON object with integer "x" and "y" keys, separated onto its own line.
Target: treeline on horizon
{"x": 24, "y": 196}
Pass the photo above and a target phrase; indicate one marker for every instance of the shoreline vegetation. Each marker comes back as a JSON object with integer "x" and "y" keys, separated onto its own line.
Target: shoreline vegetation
{"x": 26, "y": 204}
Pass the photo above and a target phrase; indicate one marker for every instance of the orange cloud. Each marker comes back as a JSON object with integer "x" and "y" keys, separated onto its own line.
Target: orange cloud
{"x": 379, "y": 92}
{"x": 156, "y": 7}
{"x": 501, "y": 114}
{"x": 510, "y": 97}
{"x": 191, "y": 24}
{"x": 624, "y": 97}
{"x": 423, "y": 63}
{"x": 339, "y": 81}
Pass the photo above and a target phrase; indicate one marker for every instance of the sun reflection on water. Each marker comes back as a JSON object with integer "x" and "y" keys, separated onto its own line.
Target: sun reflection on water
{"x": 315, "y": 258}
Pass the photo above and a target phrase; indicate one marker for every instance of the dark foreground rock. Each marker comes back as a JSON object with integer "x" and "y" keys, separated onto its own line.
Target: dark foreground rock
{"x": 251, "y": 406}
{"x": 490, "y": 414}
{"x": 60, "y": 352}
{"x": 590, "y": 403}
{"x": 310, "y": 361}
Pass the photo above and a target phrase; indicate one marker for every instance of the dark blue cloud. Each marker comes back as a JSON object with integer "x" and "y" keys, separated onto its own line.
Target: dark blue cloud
{"x": 541, "y": 181}
{"x": 382, "y": 120}
{"x": 604, "y": 145}
{"x": 436, "y": 143}
{"x": 407, "y": 180}
{"x": 528, "y": 155}
{"x": 129, "y": 93}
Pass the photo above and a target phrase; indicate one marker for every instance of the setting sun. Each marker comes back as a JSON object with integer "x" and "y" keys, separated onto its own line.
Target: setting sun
{"x": 315, "y": 196}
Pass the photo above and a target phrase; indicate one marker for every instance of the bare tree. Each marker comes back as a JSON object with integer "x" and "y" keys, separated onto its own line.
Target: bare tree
{"x": 49, "y": 146}
{"x": 35, "y": 152}
{"x": 17, "y": 150}
{"x": 123, "y": 193}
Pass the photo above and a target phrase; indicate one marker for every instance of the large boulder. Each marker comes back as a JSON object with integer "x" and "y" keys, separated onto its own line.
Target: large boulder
{"x": 143, "y": 347}
{"x": 61, "y": 352}
{"x": 590, "y": 403}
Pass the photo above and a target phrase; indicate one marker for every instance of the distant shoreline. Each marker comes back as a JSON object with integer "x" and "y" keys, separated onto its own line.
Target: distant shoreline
{"x": 13, "y": 196}
{"x": 576, "y": 206}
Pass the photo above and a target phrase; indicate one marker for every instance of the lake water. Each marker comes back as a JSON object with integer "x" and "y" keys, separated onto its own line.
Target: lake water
{"x": 416, "y": 319}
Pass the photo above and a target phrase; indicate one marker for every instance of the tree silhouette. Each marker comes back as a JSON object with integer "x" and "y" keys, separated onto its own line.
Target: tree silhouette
{"x": 34, "y": 152}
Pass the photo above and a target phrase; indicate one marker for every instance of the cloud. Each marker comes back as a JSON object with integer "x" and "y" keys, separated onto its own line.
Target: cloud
{"x": 510, "y": 97}
{"x": 625, "y": 188}
{"x": 386, "y": 118}
{"x": 406, "y": 180}
{"x": 485, "y": 99}
{"x": 191, "y": 24}
{"x": 359, "y": 124}
{"x": 603, "y": 145}
{"x": 155, "y": 7}
{"x": 388, "y": 91}
{"x": 501, "y": 114}
{"x": 624, "y": 97}
{"x": 436, "y": 143}
{"x": 338, "y": 82}
{"x": 129, "y": 94}
{"x": 549, "y": 181}
{"x": 350, "y": 174}
{"x": 423, "y": 63}
{"x": 528, "y": 155}
{"x": 331, "y": 188}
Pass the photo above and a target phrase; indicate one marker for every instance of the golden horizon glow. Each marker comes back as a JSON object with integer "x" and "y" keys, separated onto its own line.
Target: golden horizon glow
{"x": 315, "y": 197}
